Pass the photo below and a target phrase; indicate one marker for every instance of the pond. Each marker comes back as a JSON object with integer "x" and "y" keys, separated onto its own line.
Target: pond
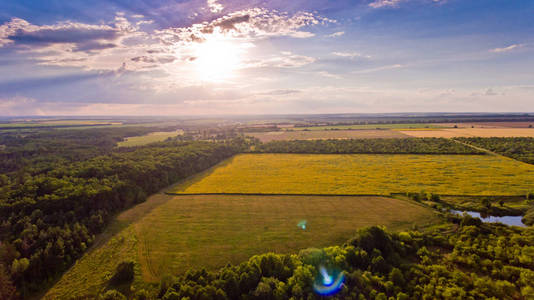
{"x": 508, "y": 220}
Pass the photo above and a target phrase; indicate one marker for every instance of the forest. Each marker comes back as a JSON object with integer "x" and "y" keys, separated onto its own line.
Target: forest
{"x": 369, "y": 146}
{"x": 52, "y": 206}
{"x": 520, "y": 148}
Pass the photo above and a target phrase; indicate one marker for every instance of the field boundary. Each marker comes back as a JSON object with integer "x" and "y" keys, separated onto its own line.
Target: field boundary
{"x": 332, "y": 195}
{"x": 371, "y": 153}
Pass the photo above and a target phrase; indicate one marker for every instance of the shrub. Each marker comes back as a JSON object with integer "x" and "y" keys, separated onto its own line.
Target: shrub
{"x": 124, "y": 273}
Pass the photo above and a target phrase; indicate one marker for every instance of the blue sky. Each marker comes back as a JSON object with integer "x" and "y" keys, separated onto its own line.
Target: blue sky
{"x": 265, "y": 57}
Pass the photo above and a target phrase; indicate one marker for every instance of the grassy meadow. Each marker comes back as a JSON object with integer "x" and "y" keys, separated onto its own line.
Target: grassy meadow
{"x": 363, "y": 174}
{"x": 148, "y": 138}
{"x": 171, "y": 234}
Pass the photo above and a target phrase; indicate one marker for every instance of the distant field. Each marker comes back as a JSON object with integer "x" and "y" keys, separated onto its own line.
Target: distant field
{"x": 325, "y": 134}
{"x": 57, "y": 123}
{"x": 369, "y": 126}
{"x": 489, "y": 124}
{"x": 192, "y": 232}
{"x": 149, "y": 138}
{"x": 365, "y": 174}
{"x": 472, "y": 132}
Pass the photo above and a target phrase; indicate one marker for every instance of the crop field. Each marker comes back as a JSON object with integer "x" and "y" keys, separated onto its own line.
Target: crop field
{"x": 209, "y": 231}
{"x": 148, "y": 138}
{"x": 489, "y": 125}
{"x": 472, "y": 132}
{"x": 372, "y": 126}
{"x": 363, "y": 174}
{"x": 326, "y": 134}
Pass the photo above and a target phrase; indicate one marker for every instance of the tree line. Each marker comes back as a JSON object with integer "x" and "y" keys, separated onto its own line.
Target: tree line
{"x": 375, "y": 146}
{"x": 520, "y": 148}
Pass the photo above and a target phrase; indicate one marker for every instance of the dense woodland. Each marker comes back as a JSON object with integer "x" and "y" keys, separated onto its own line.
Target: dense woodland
{"x": 378, "y": 146}
{"x": 520, "y": 148}
{"x": 51, "y": 208}
{"x": 463, "y": 259}
{"x": 37, "y": 151}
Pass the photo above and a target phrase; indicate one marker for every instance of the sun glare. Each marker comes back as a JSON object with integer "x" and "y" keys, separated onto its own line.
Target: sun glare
{"x": 217, "y": 60}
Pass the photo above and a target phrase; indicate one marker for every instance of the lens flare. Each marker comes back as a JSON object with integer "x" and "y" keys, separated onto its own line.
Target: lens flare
{"x": 328, "y": 283}
{"x": 302, "y": 224}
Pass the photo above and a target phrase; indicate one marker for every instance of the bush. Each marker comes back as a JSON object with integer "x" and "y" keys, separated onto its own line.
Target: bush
{"x": 124, "y": 273}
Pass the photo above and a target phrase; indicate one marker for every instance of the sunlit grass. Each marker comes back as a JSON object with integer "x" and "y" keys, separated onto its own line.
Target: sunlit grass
{"x": 148, "y": 138}
{"x": 364, "y": 174}
{"x": 209, "y": 231}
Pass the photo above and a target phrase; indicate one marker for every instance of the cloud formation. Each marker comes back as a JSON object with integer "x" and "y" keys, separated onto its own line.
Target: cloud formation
{"x": 351, "y": 55}
{"x": 506, "y": 49}
{"x": 336, "y": 34}
{"x": 122, "y": 43}
{"x": 384, "y": 3}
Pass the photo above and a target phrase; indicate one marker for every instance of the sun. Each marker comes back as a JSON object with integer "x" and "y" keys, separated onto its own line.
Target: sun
{"x": 217, "y": 60}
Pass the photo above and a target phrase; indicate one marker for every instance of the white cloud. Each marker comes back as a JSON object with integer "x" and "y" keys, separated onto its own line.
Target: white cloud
{"x": 249, "y": 24}
{"x": 351, "y": 55}
{"x": 284, "y": 60}
{"x": 506, "y": 49}
{"x": 377, "y": 69}
{"x": 215, "y": 6}
{"x": 336, "y": 34}
{"x": 384, "y": 3}
{"x": 329, "y": 75}
{"x": 395, "y": 3}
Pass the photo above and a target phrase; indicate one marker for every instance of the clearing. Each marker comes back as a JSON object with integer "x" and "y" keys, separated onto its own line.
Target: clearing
{"x": 149, "y": 138}
{"x": 363, "y": 174}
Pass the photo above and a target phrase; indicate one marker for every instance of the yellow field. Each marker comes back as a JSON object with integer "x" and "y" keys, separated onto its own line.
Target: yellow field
{"x": 364, "y": 174}
{"x": 179, "y": 233}
{"x": 326, "y": 134}
{"x": 472, "y": 132}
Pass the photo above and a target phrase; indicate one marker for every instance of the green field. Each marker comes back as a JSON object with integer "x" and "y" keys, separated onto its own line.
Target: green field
{"x": 364, "y": 174}
{"x": 171, "y": 234}
{"x": 148, "y": 138}
{"x": 368, "y": 126}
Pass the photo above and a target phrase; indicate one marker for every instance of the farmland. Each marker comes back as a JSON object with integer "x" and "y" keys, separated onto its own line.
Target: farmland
{"x": 325, "y": 134}
{"x": 364, "y": 174}
{"x": 148, "y": 138}
{"x": 190, "y": 232}
{"x": 471, "y": 132}
{"x": 372, "y": 126}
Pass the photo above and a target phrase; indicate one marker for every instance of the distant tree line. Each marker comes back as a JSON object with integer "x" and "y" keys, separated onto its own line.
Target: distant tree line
{"x": 37, "y": 151}
{"x": 520, "y": 148}
{"x": 51, "y": 213}
{"x": 377, "y": 146}
{"x": 466, "y": 260}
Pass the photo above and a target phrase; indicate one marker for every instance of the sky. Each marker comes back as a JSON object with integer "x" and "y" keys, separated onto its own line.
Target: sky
{"x": 223, "y": 57}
